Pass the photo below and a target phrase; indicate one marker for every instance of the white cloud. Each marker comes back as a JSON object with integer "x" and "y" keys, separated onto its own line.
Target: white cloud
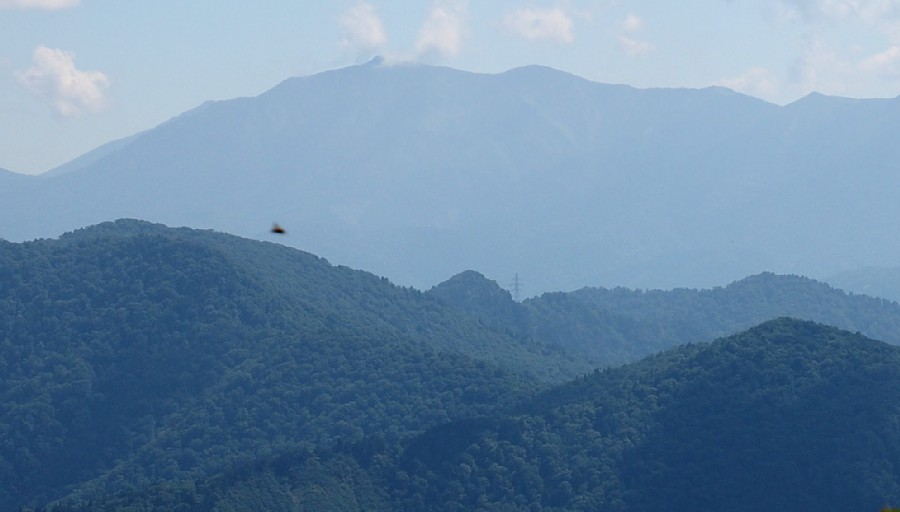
{"x": 629, "y": 41}
{"x": 632, "y": 24}
{"x": 866, "y": 10}
{"x": 869, "y": 11}
{"x": 885, "y": 64}
{"x": 823, "y": 69}
{"x": 633, "y": 47}
{"x": 833, "y": 63}
{"x": 47, "y": 5}
{"x": 541, "y": 25}
{"x": 54, "y": 77}
{"x": 443, "y": 31}
{"x": 362, "y": 30}
{"x": 758, "y": 82}
{"x": 878, "y": 16}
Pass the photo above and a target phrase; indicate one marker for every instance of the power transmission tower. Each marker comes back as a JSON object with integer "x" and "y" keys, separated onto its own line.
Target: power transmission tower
{"x": 516, "y": 288}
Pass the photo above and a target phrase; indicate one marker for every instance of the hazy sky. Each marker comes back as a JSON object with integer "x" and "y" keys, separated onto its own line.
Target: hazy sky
{"x": 77, "y": 73}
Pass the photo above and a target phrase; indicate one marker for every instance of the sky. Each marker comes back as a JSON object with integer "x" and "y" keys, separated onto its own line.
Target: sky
{"x": 75, "y": 74}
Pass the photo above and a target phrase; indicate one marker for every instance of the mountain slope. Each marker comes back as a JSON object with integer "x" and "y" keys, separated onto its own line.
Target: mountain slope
{"x": 874, "y": 281}
{"x": 132, "y": 353}
{"x": 417, "y": 172}
{"x": 9, "y": 178}
{"x": 789, "y": 415}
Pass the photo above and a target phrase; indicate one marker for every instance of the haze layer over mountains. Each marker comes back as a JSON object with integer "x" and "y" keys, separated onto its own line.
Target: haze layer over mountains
{"x": 419, "y": 172}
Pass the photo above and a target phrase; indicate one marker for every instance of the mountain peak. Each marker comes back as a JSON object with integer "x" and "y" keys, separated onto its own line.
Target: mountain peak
{"x": 469, "y": 288}
{"x": 480, "y": 297}
{"x": 770, "y": 283}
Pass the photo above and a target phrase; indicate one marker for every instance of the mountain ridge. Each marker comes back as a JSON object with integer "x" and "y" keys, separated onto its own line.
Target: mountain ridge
{"x": 614, "y": 326}
{"x": 565, "y": 181}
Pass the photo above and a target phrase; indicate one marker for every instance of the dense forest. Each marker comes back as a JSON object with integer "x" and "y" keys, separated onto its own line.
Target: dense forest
{"x": 132, "y": 353}
{"x": 150, "y": 368}
{"x": 790, "y": 415}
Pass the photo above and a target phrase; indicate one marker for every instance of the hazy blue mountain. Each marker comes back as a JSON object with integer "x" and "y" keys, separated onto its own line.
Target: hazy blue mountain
{"x": 417, "y": 172}
{"x": 7, "y": 176}
{"x": 613, "y": 326}
{"x": 90, "y": 157}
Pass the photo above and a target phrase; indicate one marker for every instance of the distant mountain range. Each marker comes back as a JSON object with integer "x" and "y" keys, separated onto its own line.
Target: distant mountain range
{"x": 418, "y": 172}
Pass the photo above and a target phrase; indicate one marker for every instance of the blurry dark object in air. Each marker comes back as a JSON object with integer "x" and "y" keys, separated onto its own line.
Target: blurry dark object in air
{"x": 277, "y": 229}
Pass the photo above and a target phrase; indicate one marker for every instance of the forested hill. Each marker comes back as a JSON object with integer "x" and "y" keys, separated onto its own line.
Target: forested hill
{"x": 133, "y": 353}
{"x": 612, "y": 326}
{"x": 789, "y": 415}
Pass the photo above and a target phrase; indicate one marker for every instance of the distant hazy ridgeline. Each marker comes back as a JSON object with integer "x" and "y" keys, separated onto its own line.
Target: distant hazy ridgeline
{"x": 419, "y": 172}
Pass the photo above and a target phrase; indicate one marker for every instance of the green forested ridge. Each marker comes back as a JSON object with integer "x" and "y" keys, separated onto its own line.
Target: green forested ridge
{"x": 132, "y": 353}
{"x": 612, "y": 326}
{"x": 149, "y": 368}
{"x": 789, "y": 415}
